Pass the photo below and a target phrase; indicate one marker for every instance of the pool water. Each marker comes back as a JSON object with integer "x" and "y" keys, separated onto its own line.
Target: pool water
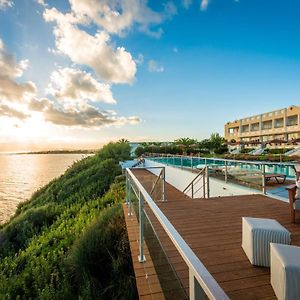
{"x": 233, "y": 166}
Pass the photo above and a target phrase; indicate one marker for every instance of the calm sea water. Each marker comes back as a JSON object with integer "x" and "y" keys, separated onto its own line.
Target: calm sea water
{"x": 21, "y": 175}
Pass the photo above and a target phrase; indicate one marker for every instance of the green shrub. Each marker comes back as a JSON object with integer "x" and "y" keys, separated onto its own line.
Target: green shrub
{"x": 39, "y": 243}
{"x": 101, "y": 257}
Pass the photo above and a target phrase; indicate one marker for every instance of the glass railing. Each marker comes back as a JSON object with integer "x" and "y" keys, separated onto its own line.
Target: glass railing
{"x": 246, "y": 173}
{"x": 155, "y": 231}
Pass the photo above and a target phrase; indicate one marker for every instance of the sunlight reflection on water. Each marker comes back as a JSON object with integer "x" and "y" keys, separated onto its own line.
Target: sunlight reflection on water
{"x": 21, "y": 175}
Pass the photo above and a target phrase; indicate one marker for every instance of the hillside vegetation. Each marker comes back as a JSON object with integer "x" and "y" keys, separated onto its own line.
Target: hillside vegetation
{"x": 69, "y": 240}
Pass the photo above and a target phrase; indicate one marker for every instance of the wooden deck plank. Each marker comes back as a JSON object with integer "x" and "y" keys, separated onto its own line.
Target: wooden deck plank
{"x": 213, "y": 229}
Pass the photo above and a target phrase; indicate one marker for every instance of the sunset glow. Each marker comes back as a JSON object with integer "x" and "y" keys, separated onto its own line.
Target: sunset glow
{"x": 80, "y": 73}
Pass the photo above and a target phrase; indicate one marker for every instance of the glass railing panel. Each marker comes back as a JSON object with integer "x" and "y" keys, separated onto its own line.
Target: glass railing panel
{"x": 155, "y": 239}
{"x": 216, "y": 168}
{"x": 246, "y": 174}
{"x": 158, "y": 190}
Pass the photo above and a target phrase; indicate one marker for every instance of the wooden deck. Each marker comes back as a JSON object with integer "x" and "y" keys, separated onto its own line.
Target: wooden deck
{"x": 213, "y": 229}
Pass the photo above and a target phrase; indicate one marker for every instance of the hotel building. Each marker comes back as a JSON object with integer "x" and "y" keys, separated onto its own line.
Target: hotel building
{"x": 272, "y": 128}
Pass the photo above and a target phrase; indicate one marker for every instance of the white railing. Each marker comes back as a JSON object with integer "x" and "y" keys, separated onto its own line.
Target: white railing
{"x": 201, "y": 282}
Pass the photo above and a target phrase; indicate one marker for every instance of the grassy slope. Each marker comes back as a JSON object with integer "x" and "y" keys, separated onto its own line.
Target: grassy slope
{"x": 69, "y": 240}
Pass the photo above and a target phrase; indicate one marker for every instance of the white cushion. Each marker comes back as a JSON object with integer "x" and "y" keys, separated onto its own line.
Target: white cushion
{"x": 257, "y": 234}
{"x": 285, "y": 271}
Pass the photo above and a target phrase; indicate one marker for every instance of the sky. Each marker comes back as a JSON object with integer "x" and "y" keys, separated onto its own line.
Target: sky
{"x": 80, "y": 73}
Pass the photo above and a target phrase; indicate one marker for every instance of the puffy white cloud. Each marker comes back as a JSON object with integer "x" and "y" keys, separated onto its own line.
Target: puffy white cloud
{"x": 10, "y": 89}
{"x": 72, "y": 90}
{"x": 115, "y": 65}
{"x": 86, "y": 117}
{"x": 5, "y": 4}
{"x": 204, "y": 4}
{"x": 42, "y": 2}
{"x": 154, "y": 66}
{"x": 117, "y": 16}
{"x": 68, "y": 84}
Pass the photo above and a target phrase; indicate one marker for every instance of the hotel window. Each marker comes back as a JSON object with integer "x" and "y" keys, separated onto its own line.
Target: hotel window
{"x": 266, "y": 138}
{"x": 293, "y": 136}
{"x": 245, "y": 128}
{"x": 267, "y": 125}
{"x": 279, "y": 137}
{"x": 233, "y": 130}
{"x": 278, "y": 123}
{"x": 254, "y": 127}
{"x": 292, "y": 120}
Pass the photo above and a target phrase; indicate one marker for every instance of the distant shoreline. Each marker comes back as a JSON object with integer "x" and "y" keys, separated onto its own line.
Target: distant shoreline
{"x": 54, "y": 152}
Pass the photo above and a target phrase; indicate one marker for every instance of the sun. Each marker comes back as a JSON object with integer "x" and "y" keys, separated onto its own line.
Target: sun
{"x": 32, "y": 128}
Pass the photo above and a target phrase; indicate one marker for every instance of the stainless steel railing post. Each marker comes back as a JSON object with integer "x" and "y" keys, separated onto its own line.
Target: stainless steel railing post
{"x": 129, "y": 198}
{"x": 263, "y": 173}
{"x": 141, "y": 227}
{"x": 203, "y": 178}
{"x": 207, "y": 180}
{"x": 126, "y": 196}
{"x": 164, "y": 184}
{"x": 192, "y": 190}
{"x": 226, "y": 171}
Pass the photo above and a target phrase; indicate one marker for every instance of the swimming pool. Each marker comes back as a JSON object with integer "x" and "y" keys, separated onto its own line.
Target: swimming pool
{"x": 242, "y": 168}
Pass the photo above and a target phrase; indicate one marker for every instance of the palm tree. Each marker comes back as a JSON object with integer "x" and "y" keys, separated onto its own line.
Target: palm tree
{"x": 185, "y": 142}
{"x": 123, "y": 141}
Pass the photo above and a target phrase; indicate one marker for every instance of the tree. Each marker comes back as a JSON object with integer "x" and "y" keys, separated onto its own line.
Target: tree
{"x": 216, "y": 140}
{"x": 187, "y": 142}
{"x": 123, "y": 141}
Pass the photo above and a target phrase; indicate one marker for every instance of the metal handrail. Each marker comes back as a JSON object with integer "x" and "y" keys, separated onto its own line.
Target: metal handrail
{"x": 163, "y": 172}
{"x": 160, "y": 175}
{"x": 192, "y": 182}
{"x": 201, "y": 281}
{"x": 204, "y": 175}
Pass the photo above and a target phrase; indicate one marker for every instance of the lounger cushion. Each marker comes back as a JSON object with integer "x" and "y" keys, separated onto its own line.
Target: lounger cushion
{"x": 285, "y": 271}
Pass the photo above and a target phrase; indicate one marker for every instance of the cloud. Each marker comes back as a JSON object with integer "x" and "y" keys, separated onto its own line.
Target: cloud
{"x": 187, "y": 3}
{"x": 170, "y": 9}
{"x": 204, "y": 4}
{"x": 7, "y": 111}
{"x": 68, "y": 84}
{"x": 10, "y": 89}
{"x": 154, "y": 66}
{"x": 42, "y": 2}
{"x": 114, "y": 65}
{"x": 87, "y": 117}
{"x": 5, "y": 4}
{"x": 140, "y": 59}
{"x": 72, "y": 90}
{"x": 118, "y": 16}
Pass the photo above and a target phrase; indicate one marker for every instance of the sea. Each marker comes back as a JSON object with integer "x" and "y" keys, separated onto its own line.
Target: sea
{"x": 22, "y": 174}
